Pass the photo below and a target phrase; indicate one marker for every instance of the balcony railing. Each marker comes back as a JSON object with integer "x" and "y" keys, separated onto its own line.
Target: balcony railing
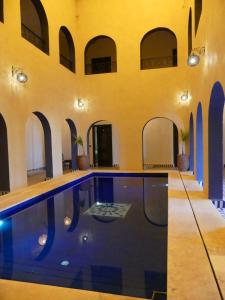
{"x": 66, "y": 62}
{"x": 159, "y": 62}
{"x": 32, "y": 37}
{"x": 98, "y": 68}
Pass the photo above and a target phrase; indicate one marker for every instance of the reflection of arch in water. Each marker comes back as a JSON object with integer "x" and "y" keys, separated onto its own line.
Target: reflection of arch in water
{"x": 155, "y": 201}
{"x": 6, "y": 247}
{"x": 76, "y": 210}
{"x": 51, "y": 230}
{"x": 103, "y": 193}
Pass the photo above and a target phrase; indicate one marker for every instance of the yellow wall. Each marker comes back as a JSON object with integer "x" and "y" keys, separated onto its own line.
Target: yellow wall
{"x": 128, "y": 98}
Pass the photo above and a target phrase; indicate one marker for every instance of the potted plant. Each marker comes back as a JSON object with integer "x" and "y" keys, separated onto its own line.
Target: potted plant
{"x": 183, "y": 159}
{"x": 82, "y": 160}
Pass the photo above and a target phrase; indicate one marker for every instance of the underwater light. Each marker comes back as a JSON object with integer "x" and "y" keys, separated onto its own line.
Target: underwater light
{"x": 1, "y": 223}
{"x": 65, "y": 263}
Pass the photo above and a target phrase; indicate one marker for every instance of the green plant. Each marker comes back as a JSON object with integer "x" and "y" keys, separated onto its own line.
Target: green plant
{"x": 79, "y": 141}
{"x": 184, "y": 138}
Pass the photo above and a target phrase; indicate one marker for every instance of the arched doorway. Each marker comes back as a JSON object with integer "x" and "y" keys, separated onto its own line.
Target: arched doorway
{"x": 66, "y": 49}
{"x": 191, "y": 141}
{"x": 39, "y": 148}
{"x": 199, "y": 145}
{"x": 103, "y": 144}
{"x": 34, "y": 24}
{"x": 215, "y": 144}
{"x": 100, "y": 55}
{"x": 160, "y": 143}
{"x": 158, "y": 49}
{"x": 69, "y": 147}
{"x": 4, "y": 159}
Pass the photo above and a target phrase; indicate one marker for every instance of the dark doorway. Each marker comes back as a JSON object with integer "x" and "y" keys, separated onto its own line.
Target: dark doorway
{"x": 4, "y": 161}
{"x": 101, "y": 65}
{"x": 102, "y": 145}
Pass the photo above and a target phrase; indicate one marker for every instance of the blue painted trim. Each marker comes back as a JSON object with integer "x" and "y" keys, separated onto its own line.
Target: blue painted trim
{"x": 29, "y": 202}
{"x": 191, "y": 129}
{"x": 199, "y": 145}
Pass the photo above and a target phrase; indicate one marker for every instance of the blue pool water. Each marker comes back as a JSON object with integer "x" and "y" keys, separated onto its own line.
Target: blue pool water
{"x": 106, "y": 234}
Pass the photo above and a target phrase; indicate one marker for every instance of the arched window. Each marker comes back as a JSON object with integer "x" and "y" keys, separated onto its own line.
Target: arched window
{"x": 66, "y": 49}
{"x": 158, "y": 49}
{"x": 100, "y": 56}
{"x": 199, "y": 145}
{"x": 1, "y": 11}
{"x": 198, "y": 12}
{"x": 190, "y": 33}
{"x": 4, "y": 158}
{"x": 34, "y": 24}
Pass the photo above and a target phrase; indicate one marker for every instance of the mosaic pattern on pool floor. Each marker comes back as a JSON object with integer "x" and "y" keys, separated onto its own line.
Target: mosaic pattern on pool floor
{"x": 116, "y": 210}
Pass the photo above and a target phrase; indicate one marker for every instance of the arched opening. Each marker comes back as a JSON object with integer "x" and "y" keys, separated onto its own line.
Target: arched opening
{"x": 39, "y": 149}
{"x": 198, "y": 12}
{"x": 199, "y": 145}
{"x": 69, "y": 147}
{"x": 103, "y": 145}
{"x": 66, "y": 49}
{"x": 191, "y": 141}
{"x": 4, "y": 158}
{"x": 190, "y": 32}
{"x": 160, "y": 143}
{"x": 159, "y": 49}
{"x": 34, "y": 24}
{"x": 100, "y": 56}
{"x": 215, "y": 144}
{"x": 1, "y": 11}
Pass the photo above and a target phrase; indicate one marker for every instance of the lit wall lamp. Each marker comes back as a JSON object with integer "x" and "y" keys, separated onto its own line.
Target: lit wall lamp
{"x": 194, "y": 57}
{"x": 184, "y": 96}
{"x": 20, "y": 76}
{"x": 80, "y": 103}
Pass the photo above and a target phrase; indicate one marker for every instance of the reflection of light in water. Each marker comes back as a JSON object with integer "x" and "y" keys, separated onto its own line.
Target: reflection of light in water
{"x": 98, "y": 203}
{"x": 65, "y": 263}
{"x": 85, "y": 238}
{"x": 67, "y": 221}
{"x": 42, "y": 239}
{"x": 125, "y": 186}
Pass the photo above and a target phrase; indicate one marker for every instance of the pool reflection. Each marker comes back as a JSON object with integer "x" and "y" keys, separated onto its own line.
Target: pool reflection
{"x": 54, "y": 242}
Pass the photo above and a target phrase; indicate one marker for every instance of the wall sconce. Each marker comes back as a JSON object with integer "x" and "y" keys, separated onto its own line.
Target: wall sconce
{"x": 194, "y": 57}
{"x": 20, "y": 76}
{"x": 80, "y": 103}
{"x": 184, "y": 96}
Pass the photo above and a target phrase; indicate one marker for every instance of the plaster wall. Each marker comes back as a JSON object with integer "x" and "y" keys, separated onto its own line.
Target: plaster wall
{"x": 128, "y": 98}
{"x": 158, "y": 142}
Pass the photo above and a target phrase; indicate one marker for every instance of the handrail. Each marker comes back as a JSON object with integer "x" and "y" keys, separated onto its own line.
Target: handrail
{"x": 103, "y": 67}
{"x": 159, "y": 62}
{"x": 33, "y": 37}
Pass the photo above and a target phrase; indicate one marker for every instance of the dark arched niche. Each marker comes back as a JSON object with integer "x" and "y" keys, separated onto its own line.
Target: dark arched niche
{"x": 100, "y": 55}
{"x": 66, "y": 49}
{"x": 34, "y": 24}
{"x": 158, "y": 49}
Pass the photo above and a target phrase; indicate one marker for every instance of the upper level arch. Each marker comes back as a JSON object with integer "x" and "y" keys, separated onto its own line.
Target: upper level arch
{"x": 66, "y": 49}
{"x": 198, "y": 12}
{"x": 34, "y": 24}
{"x": 100, "y": 55}
{"x": 1, "y": 11}
{"x": 159, "y": 49}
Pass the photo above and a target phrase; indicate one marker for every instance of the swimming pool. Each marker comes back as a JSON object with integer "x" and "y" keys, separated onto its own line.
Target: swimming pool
{"x": 106, "y": 233}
